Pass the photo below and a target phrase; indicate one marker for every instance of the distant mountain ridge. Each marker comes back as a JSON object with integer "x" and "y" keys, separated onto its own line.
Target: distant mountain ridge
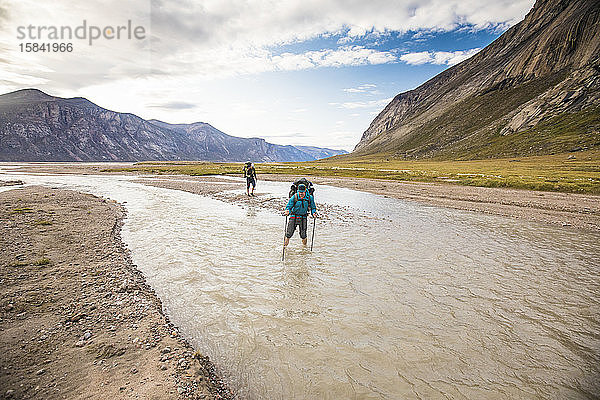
{"x": 534, "y": 90}
{"x": 216, "y": 142}
{"x": 35, "y": 126}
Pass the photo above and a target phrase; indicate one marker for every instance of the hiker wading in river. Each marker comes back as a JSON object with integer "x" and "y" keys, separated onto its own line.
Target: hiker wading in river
{"x": 297, "y": 208}
{"x": 250, "y": 174}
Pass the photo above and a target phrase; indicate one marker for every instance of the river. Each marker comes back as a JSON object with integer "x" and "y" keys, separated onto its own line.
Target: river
{"x": 397, "y": 301}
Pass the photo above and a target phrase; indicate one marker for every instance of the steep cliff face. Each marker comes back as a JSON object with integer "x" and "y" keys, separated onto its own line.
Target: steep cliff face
{"x": 37, "y": 127}
{"x": 546, "y": 66}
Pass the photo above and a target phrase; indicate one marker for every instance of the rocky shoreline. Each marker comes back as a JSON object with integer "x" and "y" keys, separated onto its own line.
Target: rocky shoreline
{"x": 77, "y": 319}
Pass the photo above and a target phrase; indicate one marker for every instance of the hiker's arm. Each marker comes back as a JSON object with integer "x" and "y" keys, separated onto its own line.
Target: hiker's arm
{"x": 289, "y": 206}
{"x": 313, "y": 206}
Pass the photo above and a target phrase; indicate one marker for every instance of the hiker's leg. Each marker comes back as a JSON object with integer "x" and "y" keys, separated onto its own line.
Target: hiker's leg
{"x": 303, "y": 225}
{"x": 289, "y": 231}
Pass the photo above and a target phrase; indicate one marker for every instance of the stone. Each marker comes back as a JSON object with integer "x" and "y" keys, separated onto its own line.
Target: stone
{"x": 123, "y": 287}
{"x": 76, "y": 317}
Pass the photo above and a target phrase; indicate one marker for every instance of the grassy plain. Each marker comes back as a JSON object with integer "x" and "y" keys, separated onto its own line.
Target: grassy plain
{"x": 577, "y": 172}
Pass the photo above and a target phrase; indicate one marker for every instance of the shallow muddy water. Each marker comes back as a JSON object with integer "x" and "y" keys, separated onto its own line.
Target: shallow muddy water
{"x": 397, "y": 300}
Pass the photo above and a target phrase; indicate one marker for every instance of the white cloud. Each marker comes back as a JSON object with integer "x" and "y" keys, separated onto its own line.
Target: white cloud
{"x": 353, "y": 90}
{"x": 85, "y": 65}
{"x": 454, "y": 57}
{"x": 265, "y": 23}
{"x": 22, "y": 79}
{"x": 438, "y": 57}
{"x": 362, "y": 104}
{"x": 422, "y": 57}
{"x": 342, "y": 56}
{"x": 367, "y": 87}
{"x": 216, "y": 38}
{"x": 214, "y": 63}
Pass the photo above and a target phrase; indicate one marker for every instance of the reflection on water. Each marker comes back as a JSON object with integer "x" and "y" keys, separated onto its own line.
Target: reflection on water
{"x": 397, "y": 301}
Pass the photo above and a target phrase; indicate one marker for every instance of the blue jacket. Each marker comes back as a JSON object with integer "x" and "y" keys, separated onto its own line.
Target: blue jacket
{"x": 299, "y": 206}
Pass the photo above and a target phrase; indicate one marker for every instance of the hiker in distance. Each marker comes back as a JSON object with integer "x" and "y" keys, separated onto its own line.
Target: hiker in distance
{"x": 250, "y": 174}
{"x": 297, "y": 208}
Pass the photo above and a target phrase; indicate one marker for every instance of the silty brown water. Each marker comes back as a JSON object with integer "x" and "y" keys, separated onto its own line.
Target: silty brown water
{"x": 397, "y": 301}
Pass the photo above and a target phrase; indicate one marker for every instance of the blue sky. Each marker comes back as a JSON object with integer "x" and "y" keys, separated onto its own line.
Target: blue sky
{"x": 292, "y": 72}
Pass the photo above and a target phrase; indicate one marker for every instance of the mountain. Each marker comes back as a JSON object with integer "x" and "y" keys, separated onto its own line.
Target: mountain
{"x": 534, "y": 90}
{"x": 319, "y": 152}
{"x": 218, "y": 146}
{"x": 35, "y": 126}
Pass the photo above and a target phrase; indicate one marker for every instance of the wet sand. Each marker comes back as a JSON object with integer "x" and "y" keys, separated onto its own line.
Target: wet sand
{"x": 216, "y": 187}
{"x": 562, "y": 209}
{"x": 77, "y": 319}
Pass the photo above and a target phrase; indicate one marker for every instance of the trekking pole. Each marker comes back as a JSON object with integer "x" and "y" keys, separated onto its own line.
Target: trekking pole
{"x": 284, "y": 232}
{"x": 312, "y": 241}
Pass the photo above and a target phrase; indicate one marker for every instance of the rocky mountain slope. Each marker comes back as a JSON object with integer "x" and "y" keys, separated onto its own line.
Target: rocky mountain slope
{"x": 535, "y": 90}
{"x": 37, "y": 127}
{"x": 218, "y": 146}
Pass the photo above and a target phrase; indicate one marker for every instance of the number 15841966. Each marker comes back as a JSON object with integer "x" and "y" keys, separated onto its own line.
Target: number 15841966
{"x": 46, "y": 47}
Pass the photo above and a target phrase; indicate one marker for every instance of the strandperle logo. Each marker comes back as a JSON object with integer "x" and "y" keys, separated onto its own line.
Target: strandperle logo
{"x": 84, "y": 31}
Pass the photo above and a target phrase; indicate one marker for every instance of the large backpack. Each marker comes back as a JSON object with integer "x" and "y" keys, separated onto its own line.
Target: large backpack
{"x": 306, "y": 182}
{"x": 248, "y": 170}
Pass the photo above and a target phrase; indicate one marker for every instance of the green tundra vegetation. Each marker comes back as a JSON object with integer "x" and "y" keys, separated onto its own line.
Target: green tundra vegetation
{"x": 575, "y": 172}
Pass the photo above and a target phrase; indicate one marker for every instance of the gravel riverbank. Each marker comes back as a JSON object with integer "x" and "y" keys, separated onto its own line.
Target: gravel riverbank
{"x": 77, "y": 319}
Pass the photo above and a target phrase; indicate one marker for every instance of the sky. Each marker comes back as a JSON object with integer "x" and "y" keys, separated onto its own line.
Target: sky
{"x": 304, "y": 72}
